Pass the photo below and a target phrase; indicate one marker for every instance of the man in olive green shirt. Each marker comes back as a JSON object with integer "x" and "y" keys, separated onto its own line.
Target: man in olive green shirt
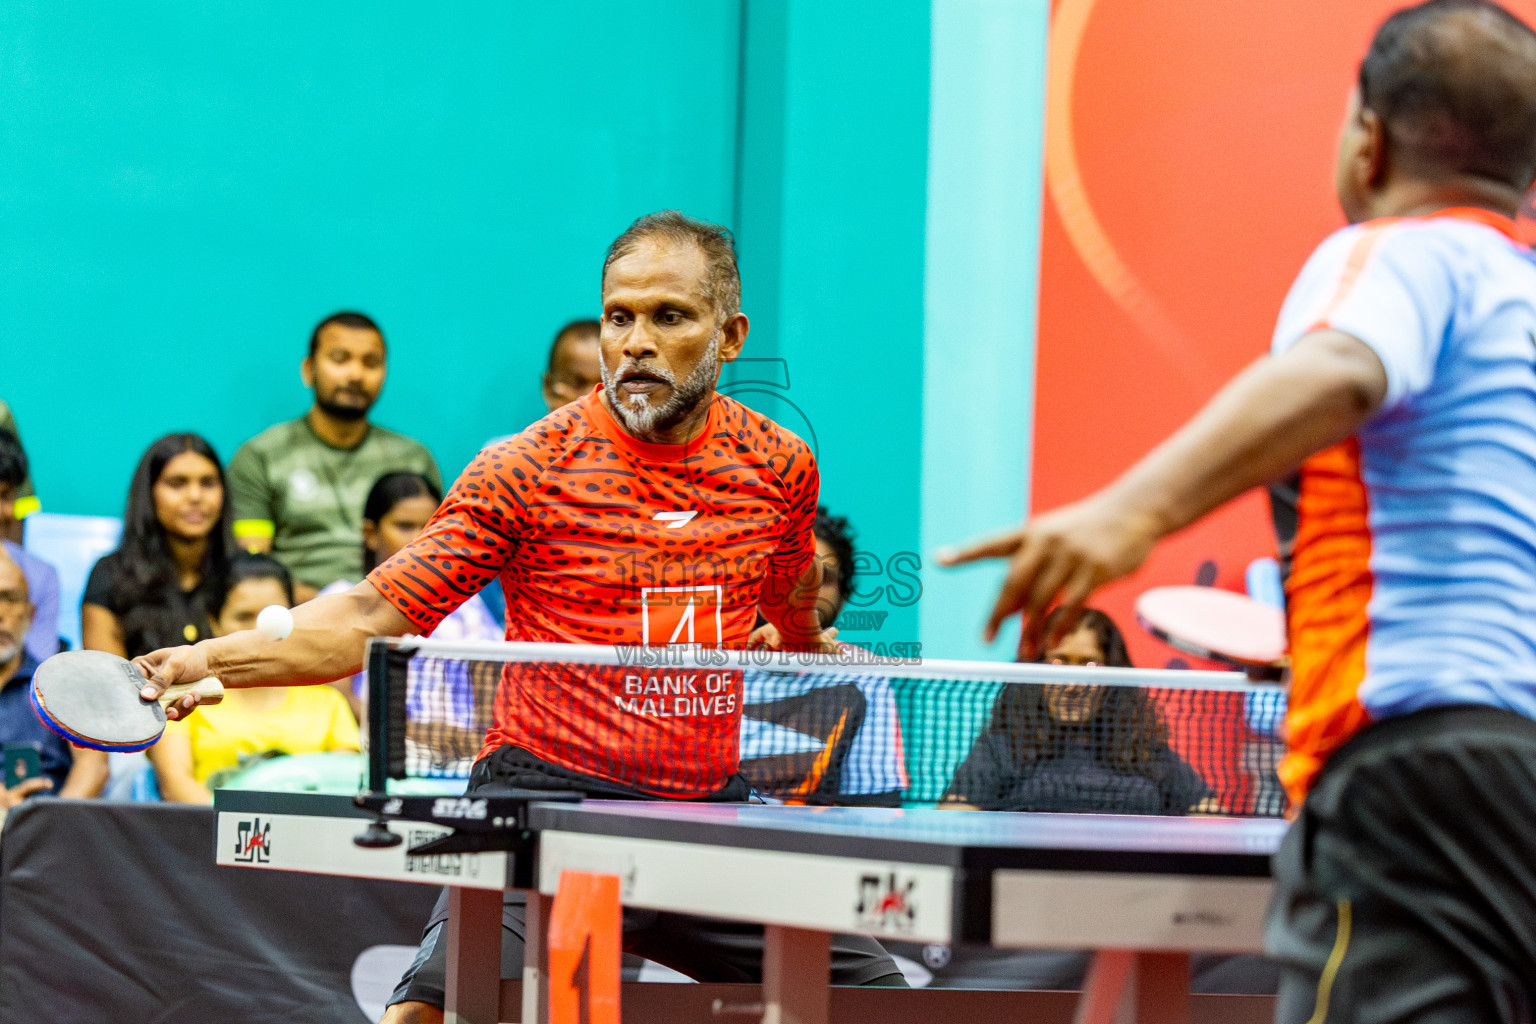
{"x": 297, "y": 489}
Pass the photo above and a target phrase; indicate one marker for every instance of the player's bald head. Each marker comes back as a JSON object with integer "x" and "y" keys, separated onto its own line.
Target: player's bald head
{"x": 15, "y": 609}
{"x": 1454, "y": 84}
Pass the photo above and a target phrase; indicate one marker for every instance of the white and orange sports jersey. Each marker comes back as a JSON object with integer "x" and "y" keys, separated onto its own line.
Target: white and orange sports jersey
{"x": 600, "y": 538}
{"x": 1414, "y": 580}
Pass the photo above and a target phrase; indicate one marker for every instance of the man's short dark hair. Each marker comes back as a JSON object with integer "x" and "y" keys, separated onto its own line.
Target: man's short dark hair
{"x": 1454, "y": 83}
{"x": 13, "y": 460}
{"x": 571, "y": 332}
{"x": 356, "y": 321}
{"x": 722, "y": 284}
{"x": 837, "y": 535}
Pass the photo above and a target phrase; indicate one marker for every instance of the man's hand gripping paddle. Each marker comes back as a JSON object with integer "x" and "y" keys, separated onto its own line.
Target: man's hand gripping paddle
{"x": 91, "y": 698}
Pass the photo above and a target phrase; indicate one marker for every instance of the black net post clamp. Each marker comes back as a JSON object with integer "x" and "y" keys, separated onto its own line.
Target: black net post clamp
{"x": 494, "y": 818}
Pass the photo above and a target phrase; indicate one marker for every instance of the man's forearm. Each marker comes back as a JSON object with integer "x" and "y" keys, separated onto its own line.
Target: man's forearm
{"x": 328, "y": 640}
{"x": 791, "y": 605}
{"x": 1258, "y": 428}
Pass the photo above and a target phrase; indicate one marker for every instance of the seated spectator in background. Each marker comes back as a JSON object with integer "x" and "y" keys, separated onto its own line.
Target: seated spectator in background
{"x": 18, "y": 722}
{"x": 574, "y": 366}
{"x": 1075, "y": 749}
{"x": 254, "y": 721}
{"x": 42, "y": 579}
{"x": 25, "y": 501}
{"x": 851, "y": 715}
{"x": 297, "y": 488}
{"x": 163, "y": 584}
{"x": 1078, "y": 748}
{"x": 397, "y": 507}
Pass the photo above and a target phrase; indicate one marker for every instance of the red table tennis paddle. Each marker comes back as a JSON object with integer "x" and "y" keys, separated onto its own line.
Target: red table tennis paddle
{"x": 91, "y": 698}
{"x": 1217, "y": 624}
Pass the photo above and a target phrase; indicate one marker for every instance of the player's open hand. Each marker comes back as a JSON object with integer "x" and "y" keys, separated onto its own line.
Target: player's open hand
{"x": 767, "y": 637}
{"x": 1060, "y": 557}
{"x": 167, "y": 667}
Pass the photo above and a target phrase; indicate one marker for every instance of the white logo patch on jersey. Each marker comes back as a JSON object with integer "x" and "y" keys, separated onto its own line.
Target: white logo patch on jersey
{"x": 676, "y": 520}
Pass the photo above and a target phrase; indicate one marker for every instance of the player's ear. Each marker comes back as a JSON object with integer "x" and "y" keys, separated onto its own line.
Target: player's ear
{"x": 307, "y": 371}
{"x": 733, "y": 335}
{"x": 1373, "y": 155}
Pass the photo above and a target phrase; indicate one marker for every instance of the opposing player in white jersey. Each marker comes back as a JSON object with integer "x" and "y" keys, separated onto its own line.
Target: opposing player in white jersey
{"x": 1403, "y": 384}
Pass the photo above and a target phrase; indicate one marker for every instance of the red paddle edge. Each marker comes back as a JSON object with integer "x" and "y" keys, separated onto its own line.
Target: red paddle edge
{"x": 1258, "y": 670}
{"x": 44, "y": 716}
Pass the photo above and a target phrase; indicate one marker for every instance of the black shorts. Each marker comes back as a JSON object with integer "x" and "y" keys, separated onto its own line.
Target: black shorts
{"x": 1406, "y": 889}
{"x": 704, "y": 949}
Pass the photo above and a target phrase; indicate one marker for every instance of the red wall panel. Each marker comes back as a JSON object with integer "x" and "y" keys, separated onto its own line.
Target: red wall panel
{"x": 1188, "y": 176}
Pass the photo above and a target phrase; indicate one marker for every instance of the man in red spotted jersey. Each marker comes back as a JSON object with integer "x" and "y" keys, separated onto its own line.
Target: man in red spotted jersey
{"x": 651, "y": 511}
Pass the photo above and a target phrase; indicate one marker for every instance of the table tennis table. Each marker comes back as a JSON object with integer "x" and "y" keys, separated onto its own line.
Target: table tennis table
{"x": 1145, "y": 892}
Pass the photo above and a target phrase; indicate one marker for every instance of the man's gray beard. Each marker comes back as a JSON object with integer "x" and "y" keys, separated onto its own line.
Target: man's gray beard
{"x": 9, "y": 651}
{"x": 644, "y": 420}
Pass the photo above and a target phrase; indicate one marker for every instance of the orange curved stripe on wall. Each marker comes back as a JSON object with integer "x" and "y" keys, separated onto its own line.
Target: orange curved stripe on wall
{"x": 1189, "y": 156}
{"x": 1068, "y": 23}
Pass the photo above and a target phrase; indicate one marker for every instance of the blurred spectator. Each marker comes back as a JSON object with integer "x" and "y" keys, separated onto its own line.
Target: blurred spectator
{"x": 397, "y": 507}
{"x": 18, "y": 722}
{"x": 255, "y": 721}
{"x": 23, "y": 501}
{"x": 574, "y": 365}
{"x": 297, "y": 488}
{"x": 42, "y": 579}
{"x": 163, "y": 584}
{"x": 1072, "y": 747}
{"x": 1076, "y": 749}
{"x": 869, "y": 762}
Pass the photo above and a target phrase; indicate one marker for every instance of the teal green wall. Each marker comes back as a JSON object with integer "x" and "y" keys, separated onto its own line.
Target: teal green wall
{"x": 187, "y": 188}
{"x": 985, "y": 160}
{"x": 834, "y": 171}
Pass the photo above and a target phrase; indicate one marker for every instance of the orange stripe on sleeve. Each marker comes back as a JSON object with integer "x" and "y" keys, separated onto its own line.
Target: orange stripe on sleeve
{"x": 1352, "y": 267}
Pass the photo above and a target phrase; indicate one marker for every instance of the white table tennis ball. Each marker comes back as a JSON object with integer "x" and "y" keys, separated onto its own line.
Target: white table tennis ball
{"x": 274, "y": 622}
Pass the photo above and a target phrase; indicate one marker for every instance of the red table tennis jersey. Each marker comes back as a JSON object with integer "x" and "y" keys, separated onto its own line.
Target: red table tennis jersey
{"x": 600, "y": 538}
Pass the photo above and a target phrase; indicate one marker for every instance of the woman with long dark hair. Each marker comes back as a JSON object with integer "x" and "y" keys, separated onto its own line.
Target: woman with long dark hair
{"x": 166, "y": 578}
{"x": 162, "y": 585}
{"x": 1070, "y": 747}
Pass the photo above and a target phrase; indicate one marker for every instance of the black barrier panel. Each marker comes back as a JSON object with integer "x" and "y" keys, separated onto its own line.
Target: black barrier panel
{"x": 115, "y": 912}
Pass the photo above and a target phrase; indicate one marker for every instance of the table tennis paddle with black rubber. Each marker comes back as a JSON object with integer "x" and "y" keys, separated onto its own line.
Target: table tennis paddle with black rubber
{"x": 91, "y": 698}
{"x": 1219, "y": 625}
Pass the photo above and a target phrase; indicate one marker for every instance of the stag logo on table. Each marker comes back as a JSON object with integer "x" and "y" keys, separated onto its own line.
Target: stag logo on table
{"x": 253, "y": 842}
{"x": 886, "y": 903}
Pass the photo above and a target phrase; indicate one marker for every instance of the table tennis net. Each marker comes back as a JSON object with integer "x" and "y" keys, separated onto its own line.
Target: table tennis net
{"x": 804, "y": 729}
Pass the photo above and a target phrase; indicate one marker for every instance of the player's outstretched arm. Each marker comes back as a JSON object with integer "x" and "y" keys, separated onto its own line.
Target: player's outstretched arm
{"x": 1258, "y": 428}
{"x": 327, "y": 642}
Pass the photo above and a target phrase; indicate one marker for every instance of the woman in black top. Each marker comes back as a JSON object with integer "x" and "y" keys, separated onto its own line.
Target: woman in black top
{"x": 1074, "y": 748}
{"x": 161, "y": 586}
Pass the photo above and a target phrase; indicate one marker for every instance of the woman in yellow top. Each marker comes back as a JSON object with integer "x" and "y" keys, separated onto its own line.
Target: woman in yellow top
{"x": 288, "y": 719}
